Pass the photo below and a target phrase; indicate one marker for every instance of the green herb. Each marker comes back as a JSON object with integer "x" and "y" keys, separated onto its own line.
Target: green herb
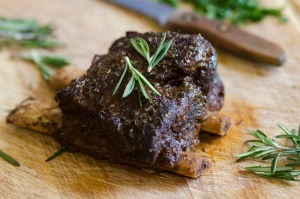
{"x": 27, "y": 33}
{"x": 142, "y": 47}
{"x": 282, "y": 173}
{"x": 9, "y": 159}
{"x": 56, "y": 154}
{"x": 45, "y": 62}
{"x": 237, "y": 12}
{"x": 267, "y": 148}
{"x": 39, "y": 43}
{"x": 56, "y": 61}
{"x": 136, "y": 79}
{"x": 173, "y": 3}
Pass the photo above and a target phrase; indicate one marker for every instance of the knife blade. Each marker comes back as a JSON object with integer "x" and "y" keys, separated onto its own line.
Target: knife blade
{"x": 223, "y": 35}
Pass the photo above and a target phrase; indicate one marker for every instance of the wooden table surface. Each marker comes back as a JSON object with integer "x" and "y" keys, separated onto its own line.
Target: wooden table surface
{"x": 257, "y": 96}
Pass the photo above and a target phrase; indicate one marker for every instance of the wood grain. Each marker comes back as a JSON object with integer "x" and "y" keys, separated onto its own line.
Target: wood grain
{"x": 257, "y": 96}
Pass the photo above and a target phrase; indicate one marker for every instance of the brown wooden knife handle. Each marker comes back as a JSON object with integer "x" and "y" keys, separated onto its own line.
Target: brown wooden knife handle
{"x": 228, "y": 37}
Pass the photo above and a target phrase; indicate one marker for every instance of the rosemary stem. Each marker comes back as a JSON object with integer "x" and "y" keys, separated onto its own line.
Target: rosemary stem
{"x": 267, "y": 148}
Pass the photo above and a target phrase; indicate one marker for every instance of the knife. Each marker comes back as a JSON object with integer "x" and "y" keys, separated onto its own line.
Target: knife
{"x": 221, "y": 34}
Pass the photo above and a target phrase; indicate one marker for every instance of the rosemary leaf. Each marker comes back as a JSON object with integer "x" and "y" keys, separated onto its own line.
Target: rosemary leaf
{"x": 293, "y": 164}
{"x": 284, "y": 129}
{"x": 293, "y": 159}
{"x": 17, "y": 24}
{"x": 56, "y": 154}
{"x": 142, "y": 47}
{"x": 140, "y": 97}
{"x": 162, "y": 53}
{"x": 275, "y": 154}
{"x": 44, "y": 62}
{"x": 267, "y": 169}
{"x": 274, "y": 163}
{"x": 295, "y": 173}
{"x": 9, "y": 159}
{"x": 40, "y": 43}
{"x": 257, "y": 134}
{"x": 159, "y": 48}
{"x": 295, "y": 141}
{"x": 141, "y": 77}
{"x": 264, "y": 153}
{"x": 143, "y": 89}
{"x": 261, "y": 133}
{"x": 257, "y": 141}
{"x": 43, "y": 31}
{"x": 56, "y": 61}
{"x": 284, "y": 176}
{"x": 253, "y": 148}
{"x": 288, "y": 136}
{"x": 130, "y": 86}
{"x": 44, "y": 69}
{"x": 121, "y": 79}
{"x": 246, "y": 155}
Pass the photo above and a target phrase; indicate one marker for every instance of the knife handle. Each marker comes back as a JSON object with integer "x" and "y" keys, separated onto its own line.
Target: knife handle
{"x": 228, "y": 37}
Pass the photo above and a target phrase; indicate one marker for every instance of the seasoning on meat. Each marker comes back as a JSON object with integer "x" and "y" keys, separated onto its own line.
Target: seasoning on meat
{"x": 163, "y": 133}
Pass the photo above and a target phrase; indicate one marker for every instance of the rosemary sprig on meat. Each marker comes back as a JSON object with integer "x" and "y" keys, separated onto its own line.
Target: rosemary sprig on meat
{"x": 142, "y": 47}
{"x": 46, "y": 62}
{"x": 137, "y": 78}
{"x": 267, "y": 148}
{"x": 9, "y": 159}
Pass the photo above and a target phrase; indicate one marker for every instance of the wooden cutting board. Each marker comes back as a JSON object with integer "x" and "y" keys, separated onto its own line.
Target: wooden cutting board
{"x": 257, "y": 96}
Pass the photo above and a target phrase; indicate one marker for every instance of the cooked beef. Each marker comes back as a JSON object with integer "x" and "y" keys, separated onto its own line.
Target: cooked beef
{"x": 163, "y": 133}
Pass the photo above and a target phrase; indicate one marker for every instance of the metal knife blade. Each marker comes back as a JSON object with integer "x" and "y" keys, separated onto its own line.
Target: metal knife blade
{"x": 220, "y": 34}
{"x": 160, "y": 12}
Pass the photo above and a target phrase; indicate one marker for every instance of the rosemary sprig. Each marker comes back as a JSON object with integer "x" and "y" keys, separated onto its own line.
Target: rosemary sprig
{"x": 9, "y": 159}
{"x": 137, "y": 78}
{"x": 267, "y": 148}
{"x": 282, "y": 173}
{"x": 45, "y": 62}
{"x": 27, "y": 33}
{"x": 39, "y": 43}
{"x": 56, "y": 61}
{"x": 56, "y": 154}
{"x": 143, "y": 48}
